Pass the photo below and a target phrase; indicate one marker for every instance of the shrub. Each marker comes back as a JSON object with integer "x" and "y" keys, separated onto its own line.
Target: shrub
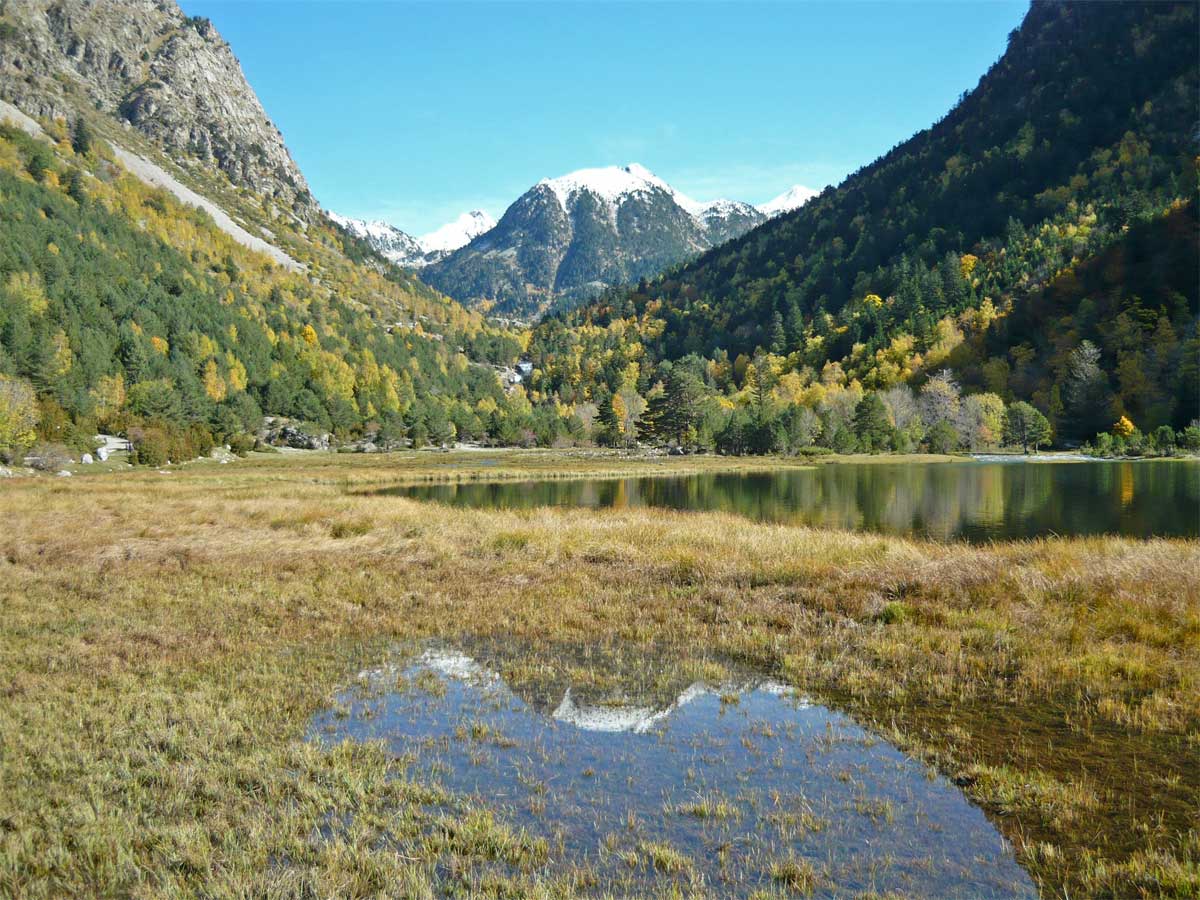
{"x": 1164, "y": 439}
{"x": 942, "y": 438}
{"x": 48, "y": 457}
{"x": 151, "y": 446}
{"x": 242, "y": 444}
{"x": 158, "y": 443}
{"x": 1190, "y": 438}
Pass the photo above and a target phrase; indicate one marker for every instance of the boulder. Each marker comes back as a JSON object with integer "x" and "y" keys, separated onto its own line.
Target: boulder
{"x": 86, "y": 459}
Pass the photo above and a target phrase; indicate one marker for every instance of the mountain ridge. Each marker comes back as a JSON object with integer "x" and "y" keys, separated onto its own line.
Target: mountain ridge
{"x": 403, "y": 249}
{"x": 569, "y": 237}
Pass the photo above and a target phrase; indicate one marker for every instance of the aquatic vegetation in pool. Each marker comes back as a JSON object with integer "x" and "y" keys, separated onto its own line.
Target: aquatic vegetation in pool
{"x": 651, "y": 777}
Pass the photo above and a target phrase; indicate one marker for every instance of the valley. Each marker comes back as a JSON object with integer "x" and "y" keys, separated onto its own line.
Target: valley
{"x": 604, "y": 542}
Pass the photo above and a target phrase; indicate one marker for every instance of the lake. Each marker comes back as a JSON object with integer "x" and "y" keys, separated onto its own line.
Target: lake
{"x": 970, "y": 500}
{"x": 646, "y": 771}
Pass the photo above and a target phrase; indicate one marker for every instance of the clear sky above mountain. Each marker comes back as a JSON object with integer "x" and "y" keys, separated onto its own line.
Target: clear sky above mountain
{"x": 415, "y": 112}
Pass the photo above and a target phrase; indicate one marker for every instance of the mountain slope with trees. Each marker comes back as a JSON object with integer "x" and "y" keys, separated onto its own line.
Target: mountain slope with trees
{"x": 1079, "y": 139}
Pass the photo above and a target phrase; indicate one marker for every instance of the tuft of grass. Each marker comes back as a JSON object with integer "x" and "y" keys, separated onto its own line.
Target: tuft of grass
{"x": 797, "y": 875}
{"x": 709, "y": 806}
{"x": 664, "y": 858}
{"x": 895, "y": 612}
{"x": 350, "y": 529}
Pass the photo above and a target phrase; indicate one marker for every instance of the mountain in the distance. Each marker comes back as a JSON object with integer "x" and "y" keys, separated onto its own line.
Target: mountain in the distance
{"x": 568, "y": 238}
{"x": 458, "y": 233}
{"x": 411, "y": 252}
{"x": 793, "y": 198}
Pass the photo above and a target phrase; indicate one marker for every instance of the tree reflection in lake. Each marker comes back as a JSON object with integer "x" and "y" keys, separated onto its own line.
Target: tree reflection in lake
{"x": 974, "y": 501}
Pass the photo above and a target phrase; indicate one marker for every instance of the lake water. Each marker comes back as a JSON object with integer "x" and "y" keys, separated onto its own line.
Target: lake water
{"x": 733, "y": 771}
{"x": 968, "y": 500}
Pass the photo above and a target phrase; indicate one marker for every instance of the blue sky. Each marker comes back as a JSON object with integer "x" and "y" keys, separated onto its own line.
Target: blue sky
{"x": 415, "y": 112}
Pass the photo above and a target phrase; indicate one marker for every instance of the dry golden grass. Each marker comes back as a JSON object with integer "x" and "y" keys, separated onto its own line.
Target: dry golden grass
{"x": 167, "y": 637}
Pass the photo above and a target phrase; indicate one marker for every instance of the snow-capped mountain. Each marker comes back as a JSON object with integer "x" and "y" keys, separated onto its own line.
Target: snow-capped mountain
{"x": 388, "y": 240}
{"x": 458, "y": 233}
{"x": 405, "y": 250}
{"x": 567, "y": 238}
{"x": 793, "y": 198}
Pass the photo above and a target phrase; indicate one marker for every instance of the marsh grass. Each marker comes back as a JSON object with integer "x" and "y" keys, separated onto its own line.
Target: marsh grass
{"x": 167, "y": 638}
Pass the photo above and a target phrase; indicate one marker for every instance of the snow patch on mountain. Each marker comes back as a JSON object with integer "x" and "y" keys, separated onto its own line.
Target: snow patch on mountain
{"x": 403, "y": 249}
{"x": 793, "y": 198}
{"x": 613, "y": 184}
{"x": 458, "y": 233}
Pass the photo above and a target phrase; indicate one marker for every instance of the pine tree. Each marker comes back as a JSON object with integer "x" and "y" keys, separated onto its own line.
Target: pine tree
{"x": 778, "y": 334}
{"x": 871, "y": 424}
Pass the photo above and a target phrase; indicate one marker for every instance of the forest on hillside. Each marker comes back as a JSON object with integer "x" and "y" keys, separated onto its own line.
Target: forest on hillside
{"x": 1021, "y": 274}
{"x": 1041, "y": 236}
{"x": 124, "y": 310}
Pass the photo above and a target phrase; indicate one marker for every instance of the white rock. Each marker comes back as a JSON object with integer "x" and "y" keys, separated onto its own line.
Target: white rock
{"x": 86, "y": 459}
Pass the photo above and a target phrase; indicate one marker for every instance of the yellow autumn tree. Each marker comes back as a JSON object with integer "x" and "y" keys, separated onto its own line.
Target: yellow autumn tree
{"x": 108, "y": 395}
{"x": 1123, "y": 427}
{"x": 62, "y": 359}
{"x": 214, "y": 384}
{"x": 18, "y": 413}
{"x": 25, "y": 290}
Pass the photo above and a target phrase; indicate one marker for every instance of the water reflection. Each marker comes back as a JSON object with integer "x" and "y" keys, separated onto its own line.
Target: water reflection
{"x": 975, "y": 501}
{"x": 734, "y": 771}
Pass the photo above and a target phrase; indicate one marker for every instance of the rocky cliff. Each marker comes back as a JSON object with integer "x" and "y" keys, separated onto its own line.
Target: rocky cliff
{"x": 173, "y": 78}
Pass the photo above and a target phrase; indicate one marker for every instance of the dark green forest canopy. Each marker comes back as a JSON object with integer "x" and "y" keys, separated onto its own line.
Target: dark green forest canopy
{"x": 1081, "y": 133}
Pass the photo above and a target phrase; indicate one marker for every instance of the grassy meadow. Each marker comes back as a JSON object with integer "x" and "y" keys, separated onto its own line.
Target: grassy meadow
{"x": 168, "y": 636}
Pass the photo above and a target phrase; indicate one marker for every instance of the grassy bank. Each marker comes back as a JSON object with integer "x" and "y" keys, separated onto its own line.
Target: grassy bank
{"x": 168, "y": 636}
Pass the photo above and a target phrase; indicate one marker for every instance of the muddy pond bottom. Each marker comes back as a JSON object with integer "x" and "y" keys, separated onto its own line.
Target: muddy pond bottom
{"x": 726, "y": 785}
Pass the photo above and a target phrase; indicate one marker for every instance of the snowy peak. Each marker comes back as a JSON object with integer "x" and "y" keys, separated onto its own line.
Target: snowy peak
{"x": 793, "y": 198}
{"x": 403, "y": 249}
{"x": 611, "y": 183}
{"x": 458, "y": 233}
{"x": 387, "y": 240}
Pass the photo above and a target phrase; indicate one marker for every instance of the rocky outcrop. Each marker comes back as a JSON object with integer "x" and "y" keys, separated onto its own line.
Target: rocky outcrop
{"x": 173, "y": 78}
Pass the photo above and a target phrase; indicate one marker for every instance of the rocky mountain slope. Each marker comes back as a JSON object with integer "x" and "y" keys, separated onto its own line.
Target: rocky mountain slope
{"x": 568, "y": 238}
{"x": 165, "y": 273}
{"x": 411, "y": 252}
{"x": 171, "y": 77}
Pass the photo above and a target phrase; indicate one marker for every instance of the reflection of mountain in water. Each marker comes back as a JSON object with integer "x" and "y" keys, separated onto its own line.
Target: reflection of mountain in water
{"x": 572, "y": 744}
{"x": 613, "y": 710}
